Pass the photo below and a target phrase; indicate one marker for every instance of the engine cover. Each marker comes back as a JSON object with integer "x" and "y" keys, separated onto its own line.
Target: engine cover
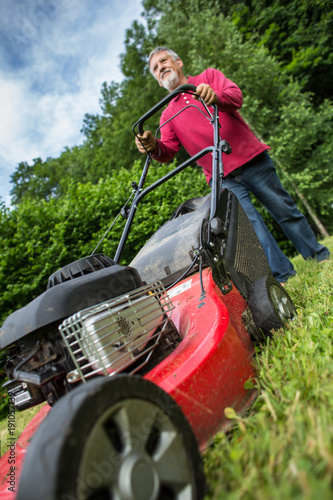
{"x": 67, "y": 298}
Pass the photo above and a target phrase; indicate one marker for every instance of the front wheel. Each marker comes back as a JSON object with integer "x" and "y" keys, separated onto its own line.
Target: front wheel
{"x": 270, "y": 306}
{"x": 120, "y": 438}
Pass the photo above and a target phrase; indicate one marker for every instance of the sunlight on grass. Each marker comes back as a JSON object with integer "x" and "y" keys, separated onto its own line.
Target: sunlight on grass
{"x": 22, "y": 418}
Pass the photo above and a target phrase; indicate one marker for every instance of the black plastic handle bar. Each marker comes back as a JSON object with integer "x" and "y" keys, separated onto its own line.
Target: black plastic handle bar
{"x": 187, "y": 87}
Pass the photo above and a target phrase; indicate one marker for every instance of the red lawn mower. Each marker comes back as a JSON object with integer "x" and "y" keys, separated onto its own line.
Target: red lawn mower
{"x": 137, "y": 363}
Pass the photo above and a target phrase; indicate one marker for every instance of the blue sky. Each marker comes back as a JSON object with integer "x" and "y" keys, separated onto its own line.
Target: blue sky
{"x": 54, "y": 57}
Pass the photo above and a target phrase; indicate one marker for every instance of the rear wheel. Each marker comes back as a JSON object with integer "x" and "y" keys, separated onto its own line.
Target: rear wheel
{"x": 121, "y": 438}
{"x": 270, "y": 306}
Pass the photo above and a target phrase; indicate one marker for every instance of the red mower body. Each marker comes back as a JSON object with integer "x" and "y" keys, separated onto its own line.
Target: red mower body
{"x": 206, "y": 373}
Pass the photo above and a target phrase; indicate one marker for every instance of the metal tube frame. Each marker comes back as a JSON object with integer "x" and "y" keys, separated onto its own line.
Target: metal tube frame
{"x": 217, "y": 170}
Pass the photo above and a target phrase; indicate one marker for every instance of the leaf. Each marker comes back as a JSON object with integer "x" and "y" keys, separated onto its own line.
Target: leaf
{"x": 230, "y": 413}
{"x": 249, "y": 384}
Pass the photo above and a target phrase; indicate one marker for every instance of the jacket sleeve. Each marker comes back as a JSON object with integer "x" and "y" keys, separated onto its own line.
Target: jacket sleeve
{"x": 229, "y": 95}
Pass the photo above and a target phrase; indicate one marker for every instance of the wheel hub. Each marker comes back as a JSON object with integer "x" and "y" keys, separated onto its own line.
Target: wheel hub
{"x": 138, "y": 478}
{"x": 282, "y": 305}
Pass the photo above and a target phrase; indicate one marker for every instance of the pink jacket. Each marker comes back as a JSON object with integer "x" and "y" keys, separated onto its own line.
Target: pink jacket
{"x": 192, "y": 130}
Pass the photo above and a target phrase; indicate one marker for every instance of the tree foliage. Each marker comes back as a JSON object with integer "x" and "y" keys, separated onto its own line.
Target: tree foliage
{"x": 299, "y": 34}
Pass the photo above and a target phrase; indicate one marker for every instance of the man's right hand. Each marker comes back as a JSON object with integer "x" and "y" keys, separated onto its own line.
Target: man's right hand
{"x": 145, "y": 143}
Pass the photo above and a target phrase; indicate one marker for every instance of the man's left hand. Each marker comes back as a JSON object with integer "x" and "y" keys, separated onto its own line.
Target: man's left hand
{"x": 206, "y": 93}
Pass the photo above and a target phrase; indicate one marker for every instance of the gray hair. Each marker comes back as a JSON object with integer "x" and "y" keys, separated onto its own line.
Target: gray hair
{"x": 162, "y": 49}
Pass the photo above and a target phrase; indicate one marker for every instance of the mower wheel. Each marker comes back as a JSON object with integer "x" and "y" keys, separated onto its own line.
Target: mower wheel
{"x": 119, "y": 438}
{"x": 270, "y": 306}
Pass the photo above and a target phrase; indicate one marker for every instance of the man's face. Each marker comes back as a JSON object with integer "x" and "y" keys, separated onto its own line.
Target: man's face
{"x": 167, "y": 71}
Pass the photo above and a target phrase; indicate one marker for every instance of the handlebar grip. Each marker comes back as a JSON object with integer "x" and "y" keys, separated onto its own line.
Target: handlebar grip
{"x": 187, "y": 87}
{"x": 140, "y": 128}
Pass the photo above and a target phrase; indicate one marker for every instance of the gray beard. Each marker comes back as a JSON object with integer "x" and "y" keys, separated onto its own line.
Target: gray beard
{"x": 171, "y": 82}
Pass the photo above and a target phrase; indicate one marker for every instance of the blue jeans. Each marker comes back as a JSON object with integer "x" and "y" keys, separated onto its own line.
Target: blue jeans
{"x": 261, "y": 179}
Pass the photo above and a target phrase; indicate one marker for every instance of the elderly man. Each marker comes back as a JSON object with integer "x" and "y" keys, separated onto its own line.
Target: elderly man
{"x": 249, "y": 169}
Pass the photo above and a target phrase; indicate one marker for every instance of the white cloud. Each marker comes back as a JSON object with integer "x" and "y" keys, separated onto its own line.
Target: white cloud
{"x": 52, "y": 73}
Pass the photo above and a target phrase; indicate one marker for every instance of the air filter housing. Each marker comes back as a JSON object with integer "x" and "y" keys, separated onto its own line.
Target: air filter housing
{"x": 107, "y": 338}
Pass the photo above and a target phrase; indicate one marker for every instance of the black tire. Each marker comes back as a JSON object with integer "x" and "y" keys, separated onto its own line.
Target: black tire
{"x": 270, "y": 306}
{"x": 119, "y": 438}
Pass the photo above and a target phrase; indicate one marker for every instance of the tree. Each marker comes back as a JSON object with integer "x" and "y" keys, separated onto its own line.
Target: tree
{"x": 299, "y": 34}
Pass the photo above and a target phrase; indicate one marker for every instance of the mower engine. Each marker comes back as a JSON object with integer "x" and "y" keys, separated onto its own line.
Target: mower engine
{"x": 68, "y": 334}
{"x": 108, "y": 338}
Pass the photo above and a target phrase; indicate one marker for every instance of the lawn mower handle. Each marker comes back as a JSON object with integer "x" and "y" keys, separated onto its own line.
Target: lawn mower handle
{"x": 187, "y": 87}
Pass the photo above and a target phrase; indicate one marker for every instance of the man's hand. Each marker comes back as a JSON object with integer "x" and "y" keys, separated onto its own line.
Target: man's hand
{"x": 206, "y": 93}
{"x": 147, "y": 144}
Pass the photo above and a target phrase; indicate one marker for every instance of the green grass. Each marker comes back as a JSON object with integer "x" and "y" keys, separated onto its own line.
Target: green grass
{"x": 283, "y": 447}
{"x": 22, "y": 418}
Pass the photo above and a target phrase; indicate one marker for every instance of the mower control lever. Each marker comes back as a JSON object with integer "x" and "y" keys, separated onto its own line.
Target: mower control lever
{"x": 187, "y": 87}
